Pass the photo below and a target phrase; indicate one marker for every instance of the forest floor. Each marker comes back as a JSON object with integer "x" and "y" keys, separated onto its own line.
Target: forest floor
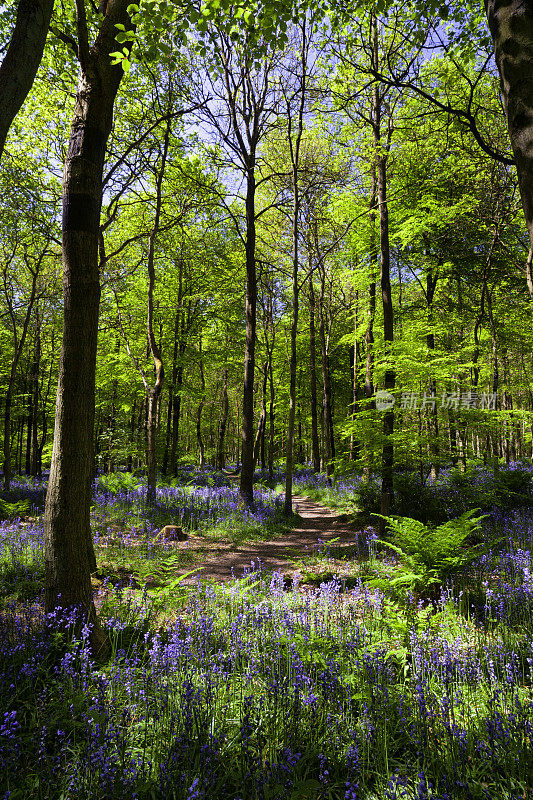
{"x": 316, "y": 527}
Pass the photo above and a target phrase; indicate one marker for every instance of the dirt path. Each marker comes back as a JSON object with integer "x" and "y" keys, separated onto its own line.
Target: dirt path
{"x": 317, "y": 524}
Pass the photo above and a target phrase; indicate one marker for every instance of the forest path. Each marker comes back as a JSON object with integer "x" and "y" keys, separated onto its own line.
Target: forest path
{"x": 317, "y": 524}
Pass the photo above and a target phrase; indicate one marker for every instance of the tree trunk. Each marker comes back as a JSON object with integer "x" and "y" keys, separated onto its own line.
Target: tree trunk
{"x": 387, "y": 464}
{"x": 369, "y": 333}
{"x": 221, "y": 460}
{"x": 271, "y": 413}
{"x": 327, "y": 414}
{"x": 246, "y": 488}
{"x": 433, "y": 427}
{"x": 199, "y": 440}
{"x": 34, "y": 462}
{"x": 511, "y": 27}
{"x": 69, "y": 553}
{"x": 152, "y": 397}
{"x": 355, "y": 445}
{"x": 262, "y": 453}
{"x": 19, "y": 344}
{"x": 315, "y": 442}
{"x": 22, "y": 59}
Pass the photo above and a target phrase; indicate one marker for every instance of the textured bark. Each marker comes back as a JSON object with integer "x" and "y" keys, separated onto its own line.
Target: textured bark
{"x": 22, "y": 59}
{"x": 271, "y": 416}
{"x": 199, "y": 439}
{"x": 315, "y": 442}
{"x": 19, "y": 345}
{"x": 69, "y": 553}
{"x": 369, "y": 333}
{"x": 355, "y": 445}
{"x": 221, "y": 456}
{"x": 33, "y": 442}
{"x": 511, "y": 27}
{"x": 431, "y": 285}
{"x": 247, "y": 452}
{"x": 154, "y": 391}
{"x": 327, "y": 412}
{"x": 294, "y": 148}
{"x": 387, "y": 462}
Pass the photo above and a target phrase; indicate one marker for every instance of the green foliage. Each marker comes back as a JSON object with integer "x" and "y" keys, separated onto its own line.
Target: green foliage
{"x": 118, "y": 481}
{"x": 427, "y": 554}
{"x": 12, "y": 510}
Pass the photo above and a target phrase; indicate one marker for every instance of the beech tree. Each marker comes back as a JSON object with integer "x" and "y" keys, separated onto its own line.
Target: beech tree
{"x": 22, "y": 59}
{"x": 69, "y": 551}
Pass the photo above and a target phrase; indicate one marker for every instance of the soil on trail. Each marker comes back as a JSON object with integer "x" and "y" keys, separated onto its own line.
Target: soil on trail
{"x": 316, "y": 525}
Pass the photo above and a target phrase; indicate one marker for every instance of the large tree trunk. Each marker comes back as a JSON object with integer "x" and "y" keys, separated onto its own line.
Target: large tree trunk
{"x": 69, "y": 553}
{"x": 511, "y": 27}
{"x": 247, "y": 469}
{"x": 22, "y": 59}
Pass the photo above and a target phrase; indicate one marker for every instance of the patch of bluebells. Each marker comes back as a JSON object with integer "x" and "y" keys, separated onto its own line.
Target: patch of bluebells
{"x": 249, "y": 694}
{"x": 192, "y": 507}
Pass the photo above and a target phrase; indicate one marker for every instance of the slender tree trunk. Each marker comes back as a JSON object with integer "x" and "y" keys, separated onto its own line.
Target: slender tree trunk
{"x": 271, "y": 414}
{"x": 34, "y": 463}
{"x": 221, "y": 459}
{"x": 369, "y": 333}
{"x": 327, "y": 415}
{"x": 431, "y": 284}
{"x": 69, "y": 553}
{"x": 152, "y": 398}
{"x": 355, "y": 445}
{"x": 264, "y": 413}
{"x": 387, "y": 467}
{"x": 246, "y": 488}
{"x": 29, "y": 426}
{"x": 19, "y": 345}
{"x": 199, "y": 440}
{"x": 294, "y": 148}
{"x": 315, "y": 442}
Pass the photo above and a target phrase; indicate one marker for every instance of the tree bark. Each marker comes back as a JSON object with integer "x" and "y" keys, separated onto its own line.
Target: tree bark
{"x": 315, "y": 443}
{"x": 22, "y": 59}
{"x": 221, "y": 456}
{"x": 246, "y": 490}
{"x": 327, "y": 413}
{"x": 387, "y": 463}
{"x": 294, "y": 148}
{"x": 199, "y": 440}
{"x": 69, "y": 553}
{"x": 19, "y": 345}
{"x": 511, "y": 26}
{"x": 369, "y": 333}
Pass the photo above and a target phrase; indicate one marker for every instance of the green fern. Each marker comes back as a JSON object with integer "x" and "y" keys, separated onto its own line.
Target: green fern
{"x": 429, "y": 554}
